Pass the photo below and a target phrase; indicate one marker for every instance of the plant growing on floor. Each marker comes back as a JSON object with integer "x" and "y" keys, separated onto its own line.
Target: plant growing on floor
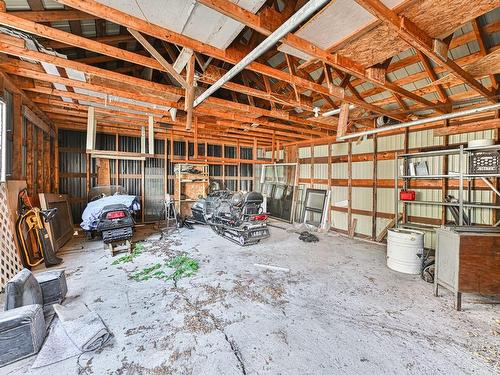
{"x": 147, "y": 273}
{"x": 184, "y": 267}
{"x": 129, "y": 257}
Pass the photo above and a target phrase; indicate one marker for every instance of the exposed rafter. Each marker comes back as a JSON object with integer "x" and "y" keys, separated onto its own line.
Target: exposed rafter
{"x": 340, "y": 62}
{"x": 230, "y": 55}
{"x": 418, "y": 39}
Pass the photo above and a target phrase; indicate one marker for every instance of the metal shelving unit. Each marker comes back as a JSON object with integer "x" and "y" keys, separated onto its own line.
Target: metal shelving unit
{"x": 462, "y": 175}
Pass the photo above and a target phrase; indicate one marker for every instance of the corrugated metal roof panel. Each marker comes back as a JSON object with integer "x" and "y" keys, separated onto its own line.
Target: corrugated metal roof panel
{"x": 52, "y": 5}
{"x": 17, "y": 5}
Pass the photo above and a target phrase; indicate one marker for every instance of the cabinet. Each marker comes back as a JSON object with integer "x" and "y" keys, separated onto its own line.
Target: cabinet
{"x": 467, "y": 262}
{"x": 191, "y": 184}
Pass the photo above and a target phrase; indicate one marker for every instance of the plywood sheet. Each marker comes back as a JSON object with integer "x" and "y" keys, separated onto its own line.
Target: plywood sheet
{"x": 438, "y": 18}
{"x": 188, "y": 17}
{"x": 334, "y": 23}
{"x": 342, "y": 18}
{"x": 486, "y": 65}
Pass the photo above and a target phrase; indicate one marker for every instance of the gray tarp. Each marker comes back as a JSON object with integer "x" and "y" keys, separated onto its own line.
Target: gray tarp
{"x": 91, "y": 214}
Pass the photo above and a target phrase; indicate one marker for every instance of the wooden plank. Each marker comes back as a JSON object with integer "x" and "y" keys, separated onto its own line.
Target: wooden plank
{"x": 91, "y": 128}
{"x": 53, "y": 15}
{"x": 56, "y": 161}
{"x": 151, "y": 136}
{"x": 103, "y": 172}
{"x": 46, "y": 188}
{"x": 39, "y": 163}
{"x": 17, "y": 137}
{"x": 349, "y": 188}
{"x": 37, "y": 121}
{"x": 417, "y": 38}
{"x": 343, "y": 119}
{"x": 190, "y": 90}
{"x": 384, "y": 231}
{"x": 467, "y": 128}
{"x": 60, "y": 229}
{"x": 374, "y": 186}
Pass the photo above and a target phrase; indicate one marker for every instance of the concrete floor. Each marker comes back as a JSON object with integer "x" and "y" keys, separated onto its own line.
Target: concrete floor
{"x": 339, "y": 310}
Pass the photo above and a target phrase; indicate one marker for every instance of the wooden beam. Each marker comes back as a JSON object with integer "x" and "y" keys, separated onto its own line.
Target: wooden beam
{"x": 338, "y": 61}
{"x": 232, "y": 55}
{"x": 53, "y": 15}
{"x": 162, "y": 90}
{"x": 190, "y": 89}
{"x": 468, "y": 128}
{"x": 343, "y": 120}
{"x": 433, "y": 76}
{"x": 158, "y": 57}
{"x": 419, "y": 40}
{"x": 37, "y": 121}
{"x": 17, "y": 136}
{"x": 478, "y": 33}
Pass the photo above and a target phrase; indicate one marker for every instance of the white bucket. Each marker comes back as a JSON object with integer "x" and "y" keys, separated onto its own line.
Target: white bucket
{"x": 404, "y": 250}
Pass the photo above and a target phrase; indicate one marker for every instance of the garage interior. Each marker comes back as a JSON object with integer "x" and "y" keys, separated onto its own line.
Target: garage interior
{"x": 249, "y": 187}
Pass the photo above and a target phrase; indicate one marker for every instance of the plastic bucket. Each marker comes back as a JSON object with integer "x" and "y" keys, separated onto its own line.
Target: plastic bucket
{"x": 404, "y": 250}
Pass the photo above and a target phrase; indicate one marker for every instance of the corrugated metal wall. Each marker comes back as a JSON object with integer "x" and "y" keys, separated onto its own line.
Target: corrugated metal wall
{"x": 73, "y": 169}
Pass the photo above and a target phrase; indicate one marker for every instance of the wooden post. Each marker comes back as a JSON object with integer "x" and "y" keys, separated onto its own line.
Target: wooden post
{"x": 349, "y": 190}
{"x": 497, "y": 180}
{"x": 56, "y": 160}
{"x": 311, "y": 167}
{"x": 239, "y": 163}
{"x": 39, "y": 162}
{"x": 255, "y": 149}
{"x": 406, "y": 142}
{"x": 165, "y": 166}
{"x": 87, "y": 172}
{"x": 47, "y": 155}
{"x": 17, "y": 137}
{"x": 223, "y": 164}
{"x": 91, "y": 128}
{"x": 329, "y": 174}
{"x": 273, "y": 145}
{"x": 143, "y": 186}
{"x": 151, "y": 135}
{"x": 374, "y": 187}
{"x": 444, "y": 181}
{"x": 117, "y": 161}
{"x": 29, "y": 156}
{"x": 195, "y": 137}
{"x": 172, "y": 155}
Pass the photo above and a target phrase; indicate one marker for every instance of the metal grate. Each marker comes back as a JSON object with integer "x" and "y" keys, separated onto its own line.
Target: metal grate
{"x": 10, "y": 263}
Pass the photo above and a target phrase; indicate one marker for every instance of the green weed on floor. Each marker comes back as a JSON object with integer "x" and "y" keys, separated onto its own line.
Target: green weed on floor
{"x": 182, "y": 265}
{"x": 129, "y": 257}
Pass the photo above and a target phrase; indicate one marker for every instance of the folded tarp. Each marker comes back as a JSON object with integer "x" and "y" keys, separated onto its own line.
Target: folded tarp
{"x": 92, "y": 212}
{"x": 84, "y": 327}
{"x": 76, "y": 330}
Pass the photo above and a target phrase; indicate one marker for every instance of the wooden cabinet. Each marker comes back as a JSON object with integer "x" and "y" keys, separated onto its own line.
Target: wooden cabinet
{"x": 467, "y": 262}
{"x": 191, "y": 184}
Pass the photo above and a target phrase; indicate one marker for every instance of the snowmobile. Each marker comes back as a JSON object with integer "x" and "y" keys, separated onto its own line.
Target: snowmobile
{"x": 115, "y": 223}
{"x": 234, "y": 215}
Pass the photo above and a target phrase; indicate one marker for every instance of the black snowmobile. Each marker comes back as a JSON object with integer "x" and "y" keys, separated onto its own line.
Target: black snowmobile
{"x": 233, "y": 215}
{"x": 115, "y": 223}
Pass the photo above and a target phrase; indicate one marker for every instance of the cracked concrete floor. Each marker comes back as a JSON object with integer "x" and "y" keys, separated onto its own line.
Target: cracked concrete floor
{"x": 339, "y": 310}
